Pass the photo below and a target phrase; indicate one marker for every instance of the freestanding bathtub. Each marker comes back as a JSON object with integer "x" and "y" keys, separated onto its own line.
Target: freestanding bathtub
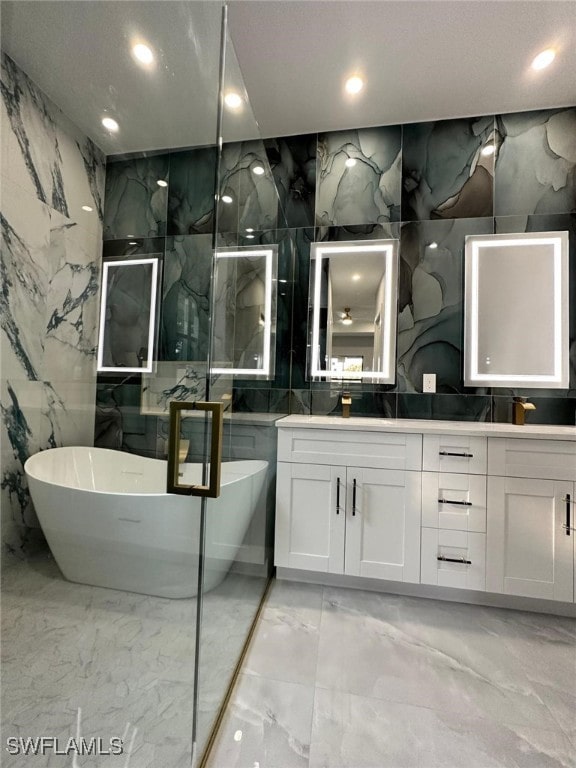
{"x": 110, "y": 523}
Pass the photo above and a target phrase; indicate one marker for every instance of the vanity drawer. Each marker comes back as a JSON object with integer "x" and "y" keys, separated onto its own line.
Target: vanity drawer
{"x": 525, "y": 457}
{"x": 454, "y": 501}
{"x": 454, "y": 453}
{"x": 453, "y": 545}
{"x": 379, "y": 450}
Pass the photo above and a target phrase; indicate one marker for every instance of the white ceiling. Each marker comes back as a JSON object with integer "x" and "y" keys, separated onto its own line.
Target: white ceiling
{"x": 422, "y": 60}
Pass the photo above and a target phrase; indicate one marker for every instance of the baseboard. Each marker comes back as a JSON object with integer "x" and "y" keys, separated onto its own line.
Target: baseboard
{"x": 430, "y": 592}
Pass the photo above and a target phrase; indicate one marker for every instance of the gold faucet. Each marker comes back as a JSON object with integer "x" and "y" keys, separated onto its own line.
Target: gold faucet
{"x": 519, "y": 408}
{"x": 346, "y": 403}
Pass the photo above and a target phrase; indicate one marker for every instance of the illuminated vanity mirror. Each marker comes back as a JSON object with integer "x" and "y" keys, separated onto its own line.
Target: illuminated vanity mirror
{"x": 354, "y": 290}
{"x": 245, "y": 294}
{"x": 516, "y": 310}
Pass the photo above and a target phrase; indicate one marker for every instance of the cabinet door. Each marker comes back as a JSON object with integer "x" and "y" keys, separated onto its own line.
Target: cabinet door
{"x": 309, "y": 524}
{"x": 383, "y": 524}
{"x": 527, "y": 550}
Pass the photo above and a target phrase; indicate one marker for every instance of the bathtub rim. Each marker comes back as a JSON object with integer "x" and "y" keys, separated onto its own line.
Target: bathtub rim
{"x": 263, "y": 465}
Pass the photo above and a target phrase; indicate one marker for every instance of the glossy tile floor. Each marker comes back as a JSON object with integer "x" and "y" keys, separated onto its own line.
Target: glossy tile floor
{"x": 126, "y": 660}
{"x": 339, "y": 678}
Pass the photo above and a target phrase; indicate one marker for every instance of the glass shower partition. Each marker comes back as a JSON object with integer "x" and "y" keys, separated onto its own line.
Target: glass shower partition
{"x": 243, "y": 357}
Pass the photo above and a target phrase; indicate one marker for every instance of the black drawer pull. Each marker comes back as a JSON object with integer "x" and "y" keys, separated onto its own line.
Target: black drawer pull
{"x": 568, "y": 500}
{"x": 461, "y": 503}
{"x": 460, "y": 455}
{"x": 337, "y": 495}
{"x": 454, "y": 560}
{"x": 354, "y": 498}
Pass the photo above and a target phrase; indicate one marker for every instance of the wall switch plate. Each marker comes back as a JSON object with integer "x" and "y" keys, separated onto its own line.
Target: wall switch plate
{"x": 429, "y": 382}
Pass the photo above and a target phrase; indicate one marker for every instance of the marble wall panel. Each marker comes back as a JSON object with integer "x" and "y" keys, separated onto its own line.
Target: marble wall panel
{"x": 254, "y": 197}
{"x": 191, "y": 195}
{"x": 536, "y": 166}
{"x": 45, "y": 153}
{"x": 49, "y": 265}
{"x": 135, "y": 204}
{"x": 447, "y": 169}
{"x": 430, "y": 319}
{"x": 184, "y": 330}
{"x": 293, "y": 163}
{"x": 367, "y": 191}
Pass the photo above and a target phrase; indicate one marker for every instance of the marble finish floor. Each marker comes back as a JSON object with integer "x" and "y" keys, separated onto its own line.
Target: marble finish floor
{"x": 125, "y": 660}
{"x": 342, "y": 678}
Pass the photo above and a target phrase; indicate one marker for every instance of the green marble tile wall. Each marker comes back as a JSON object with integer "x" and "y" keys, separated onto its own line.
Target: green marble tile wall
{"x": 429, "y": 184}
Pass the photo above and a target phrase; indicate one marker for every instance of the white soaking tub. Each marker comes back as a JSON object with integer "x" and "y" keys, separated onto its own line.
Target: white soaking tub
{"x": 110, "y": 523}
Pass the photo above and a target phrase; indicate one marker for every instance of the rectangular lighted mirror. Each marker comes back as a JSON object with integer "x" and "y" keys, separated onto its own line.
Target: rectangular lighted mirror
{"x": 126, "y": 340}
{"x": 516, "y": 310}
{"x": 354, "y": 292}
{"x": 244, "y": 328}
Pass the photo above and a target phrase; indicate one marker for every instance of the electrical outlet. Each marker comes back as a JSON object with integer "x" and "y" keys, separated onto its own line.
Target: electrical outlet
{"x": 429, "y": 382}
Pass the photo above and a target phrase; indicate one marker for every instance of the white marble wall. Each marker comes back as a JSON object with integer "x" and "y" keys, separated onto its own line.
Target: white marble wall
{"x": 50, "y": 266}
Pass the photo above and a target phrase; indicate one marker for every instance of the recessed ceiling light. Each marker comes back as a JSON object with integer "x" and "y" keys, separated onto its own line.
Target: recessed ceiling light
{"x": 544, "y": 59}
{"x": 226, "y": 199}
{"x": 250, "y": 237}
{"x": 249, "y": 229}
{"x": 132, "y": 242}
{"x": 351, "y": 162}
{"x": 487, "y": 150}
{"x": 110, "y": 124}
{"x": 258, "y": 170}
{"x": 354, "y": 84}
{"x": 356, "y": 277}
{"x": 143, "y": 53}
{"x": 162, "y": 183}
{"x": 87, "y": 208}
{"x": 233, "y": 100}
{"x": 433, "y": 245}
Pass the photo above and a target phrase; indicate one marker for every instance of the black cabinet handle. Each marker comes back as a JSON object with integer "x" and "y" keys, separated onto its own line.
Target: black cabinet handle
{"x": 337, "y": 495}
{"x": 461, "y": 503}
{"x": 354, "y": 497}
{"x": 460, "y": 455}
{"x": 568, "y": 508}
{"x": 454, "y": 560}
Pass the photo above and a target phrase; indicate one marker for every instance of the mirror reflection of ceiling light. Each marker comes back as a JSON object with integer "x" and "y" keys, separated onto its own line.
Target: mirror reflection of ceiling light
{"x": 544, "y": 59}
{"x": 433, "y": 245}
{"x": 87, "y": 208}
{"x": 143, "y": 54}
{"x": 487, "y": 150}
{"x": 110, "y": 124}
{"x": 249, "y": 229}
{"x": 233, "y": 100}
{"x": 162, "y": 183}
{"x": 226, "y": 199}
{"x": 351, "y": 162}
{"x": 347, "y": 319}
{"x": 133, "y": 242}
{"x": 258, "y": 170}
{"x": 354, "y": 84}
{"x": 250, "y": 237}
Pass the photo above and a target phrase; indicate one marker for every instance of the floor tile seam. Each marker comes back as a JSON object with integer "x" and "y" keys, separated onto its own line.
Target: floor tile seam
{"x": 270, "y": 679}
{"x": 558, "y": 729}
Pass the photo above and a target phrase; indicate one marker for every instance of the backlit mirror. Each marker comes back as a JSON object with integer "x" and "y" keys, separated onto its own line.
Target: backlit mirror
{"x": 516, "y": 310}
{"x": 354, "y": 290}
{"x": 245, "y": 324}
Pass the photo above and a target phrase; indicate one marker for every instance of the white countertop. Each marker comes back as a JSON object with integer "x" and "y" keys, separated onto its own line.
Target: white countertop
{"x": 430, "y": 426}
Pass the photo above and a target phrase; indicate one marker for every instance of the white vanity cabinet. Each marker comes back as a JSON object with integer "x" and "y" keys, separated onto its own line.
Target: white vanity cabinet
{"x": 485, "y": 508}
{"x": 531, "y": 492}
{"x": 355, "y": 509}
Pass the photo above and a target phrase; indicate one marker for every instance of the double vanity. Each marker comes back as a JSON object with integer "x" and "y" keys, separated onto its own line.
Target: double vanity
{"x": 463, "y": 511}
